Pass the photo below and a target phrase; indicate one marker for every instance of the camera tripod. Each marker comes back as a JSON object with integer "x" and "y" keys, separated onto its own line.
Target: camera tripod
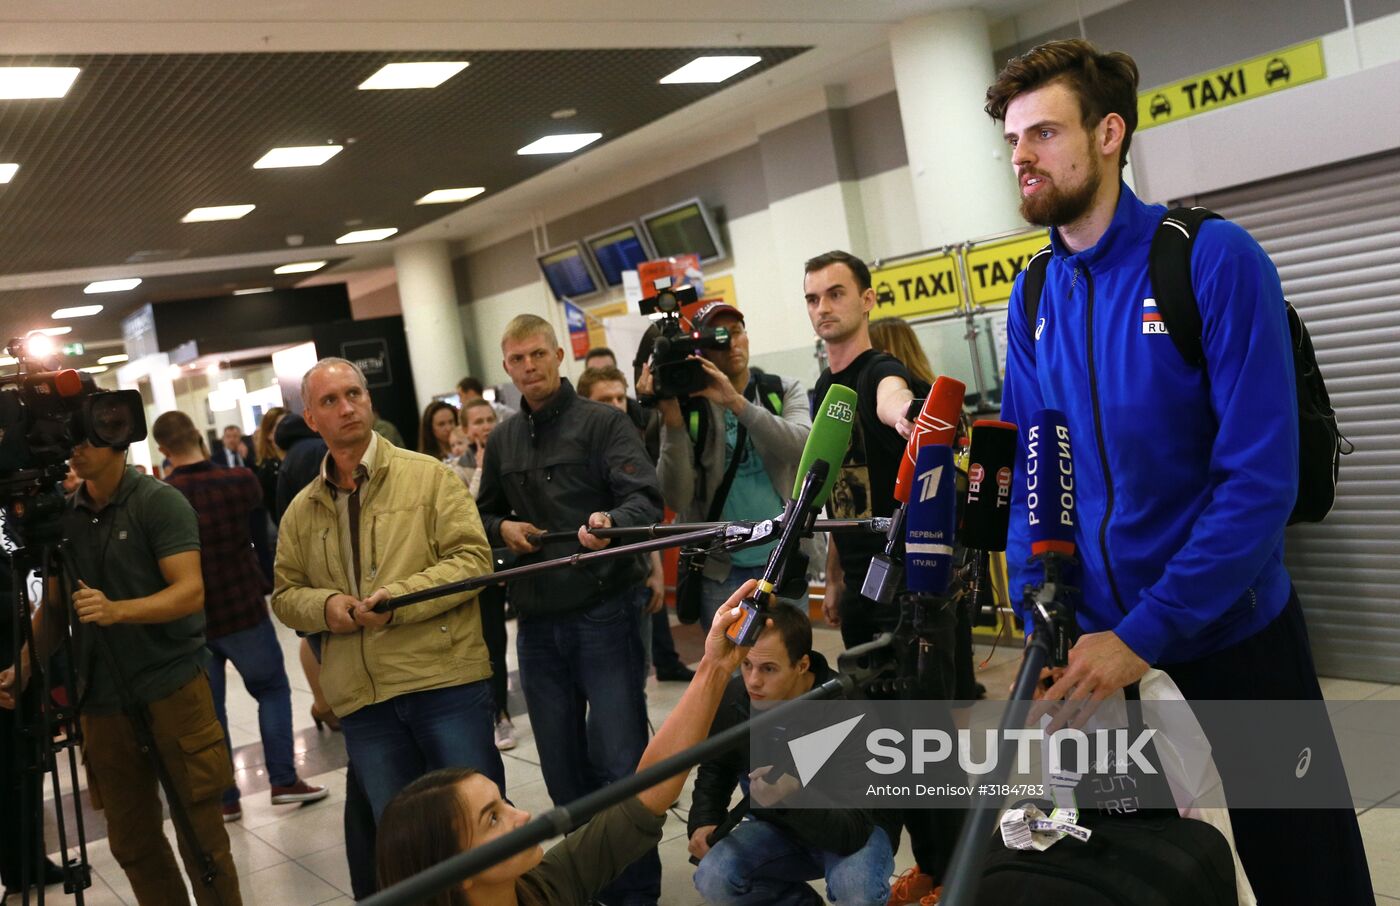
{"x": 33, "y": 523}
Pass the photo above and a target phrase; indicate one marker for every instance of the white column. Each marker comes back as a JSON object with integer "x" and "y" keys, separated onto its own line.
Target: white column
{"x": 428, "y": 294}
{"x": 961, "y": 167}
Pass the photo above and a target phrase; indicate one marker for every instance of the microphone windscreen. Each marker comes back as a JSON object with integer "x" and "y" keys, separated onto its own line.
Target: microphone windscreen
{"x": 831, "y": 435}
{"x": 987, "y": 513}
{"x": 937, "y": 424}
{"x": 930, "y": 522}
{"x": 1050, "y": 484}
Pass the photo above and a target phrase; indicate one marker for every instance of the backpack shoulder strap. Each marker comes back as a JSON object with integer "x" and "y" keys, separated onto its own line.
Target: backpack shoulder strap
{"x": 1033, "y": 285}
{"x": 770, "y": 390}
{"x": 1169, "y": 268}
{"x": 697, "y": 423}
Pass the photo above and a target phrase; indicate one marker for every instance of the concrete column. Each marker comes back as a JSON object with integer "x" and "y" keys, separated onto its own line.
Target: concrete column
{"x": 961, "y": 167}
{"x": 430, "y": 320}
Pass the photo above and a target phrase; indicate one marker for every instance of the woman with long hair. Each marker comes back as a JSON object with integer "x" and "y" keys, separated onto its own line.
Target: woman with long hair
{"x": 435, "y": 429}
{"x": 447, "y": 812}
{"x": 896, "y": 337}
{"x": 269, "y": 456}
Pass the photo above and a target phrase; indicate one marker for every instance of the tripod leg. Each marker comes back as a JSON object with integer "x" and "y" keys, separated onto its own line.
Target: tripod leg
{"x": 77, "y": 874}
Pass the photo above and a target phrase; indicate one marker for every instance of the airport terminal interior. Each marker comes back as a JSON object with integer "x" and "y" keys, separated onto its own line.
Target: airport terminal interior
{"x": 200, "y": 200}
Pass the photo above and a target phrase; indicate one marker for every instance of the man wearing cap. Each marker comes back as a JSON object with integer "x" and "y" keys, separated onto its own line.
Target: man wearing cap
{"x": 742, "y": 412}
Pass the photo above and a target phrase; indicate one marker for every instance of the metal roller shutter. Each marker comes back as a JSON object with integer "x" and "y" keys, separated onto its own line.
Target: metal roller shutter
{"x": 1334, "y": 234}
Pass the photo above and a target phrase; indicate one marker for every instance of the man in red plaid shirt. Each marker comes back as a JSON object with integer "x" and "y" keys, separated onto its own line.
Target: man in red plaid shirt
{"x": 238, "y": 627}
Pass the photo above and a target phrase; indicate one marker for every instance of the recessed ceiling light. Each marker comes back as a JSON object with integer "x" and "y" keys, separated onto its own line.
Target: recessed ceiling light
{"x": 366, "y": 235}
{"x": 709, "y": 69}
{"x": 300, "y": 267}
{"x": 302, "y": 156}
{"x": 412, "y": 75}
{"x": 560, "y": 144}
{"x": 78, "y": 311}
{"x": 112, "y": 286}
{"x": 93, "y": 369}
{"x": 444, "y": 196}
{"x": 252, "y": 292}
{"x": 217, "y": 212}
{"x": 7, "y": 172}
{"x": 53, "y": 331}
{"x": 113, "y": 359}
{"x": 18, "y": 82}
{"x": 564, "y": 113}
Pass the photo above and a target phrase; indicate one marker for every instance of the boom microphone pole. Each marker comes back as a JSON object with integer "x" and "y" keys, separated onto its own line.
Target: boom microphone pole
{"x": 878, "y": 525}
{"x": 562, "y": 819}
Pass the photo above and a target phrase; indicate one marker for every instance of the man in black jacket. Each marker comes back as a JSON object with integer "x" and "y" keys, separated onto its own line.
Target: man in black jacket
{"x": 562, "y": 462}
{"x": 769, "y": 857}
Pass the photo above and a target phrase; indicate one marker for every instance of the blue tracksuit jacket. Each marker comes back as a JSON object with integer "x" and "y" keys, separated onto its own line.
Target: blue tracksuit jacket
{"x": 1184, "y": 477}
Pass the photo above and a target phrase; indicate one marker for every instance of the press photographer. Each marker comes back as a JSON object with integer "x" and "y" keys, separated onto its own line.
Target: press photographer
{"x": 131, "y": 546}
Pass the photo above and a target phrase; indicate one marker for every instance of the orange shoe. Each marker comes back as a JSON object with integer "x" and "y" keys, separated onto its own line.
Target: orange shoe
{"x": 910, "y": 888}
{"x": 933, "y": 898}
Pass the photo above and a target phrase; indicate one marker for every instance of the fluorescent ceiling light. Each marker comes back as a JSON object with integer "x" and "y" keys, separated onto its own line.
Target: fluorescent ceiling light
{"x": 217, "y": 212}
{"x": 78, "y": 311}
{"x": 113, "y": 359}
{"x": 366, "y": 235}
{"x": 112, "y": 286}
{"x": 560, "y": 144}
{"x": 252, "y": 292}
{"x": 304, "y": 156}
{"x": 8, "y": 360}
{"x": 93, "y": 369}
{"x": 445, "y": 196}
{"x": 709, "y": 69}
{"x": 7, "y": 172}
{"x": 17, "y": 82}
{"x": 53, "y": 331}
{"x": 412, "y": 75}
{"x": 300, "y": 267}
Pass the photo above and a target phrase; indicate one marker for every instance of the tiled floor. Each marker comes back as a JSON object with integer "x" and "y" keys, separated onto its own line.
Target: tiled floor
{"x": 294, "y": 856}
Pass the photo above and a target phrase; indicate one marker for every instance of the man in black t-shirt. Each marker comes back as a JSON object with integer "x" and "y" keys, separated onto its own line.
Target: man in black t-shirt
{"x": 839, "y": 299}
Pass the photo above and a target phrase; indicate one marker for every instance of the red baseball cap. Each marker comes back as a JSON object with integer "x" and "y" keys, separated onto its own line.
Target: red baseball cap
{"x": 711, "y": 310}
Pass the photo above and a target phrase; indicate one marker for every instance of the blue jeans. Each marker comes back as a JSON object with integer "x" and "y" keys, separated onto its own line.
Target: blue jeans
{"x": 713, "y": 594}
{"x": 759, "y": 863}
{"x": 394, "y": 742}
{"x": 257, "y": 657}
{"x": 579, "y": 673}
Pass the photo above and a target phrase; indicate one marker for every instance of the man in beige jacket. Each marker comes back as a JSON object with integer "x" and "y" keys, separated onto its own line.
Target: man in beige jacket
{"x": 410, "y": 686}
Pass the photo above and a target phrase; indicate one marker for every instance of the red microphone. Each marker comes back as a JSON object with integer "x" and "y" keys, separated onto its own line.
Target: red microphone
{"x": 937, "y": 424}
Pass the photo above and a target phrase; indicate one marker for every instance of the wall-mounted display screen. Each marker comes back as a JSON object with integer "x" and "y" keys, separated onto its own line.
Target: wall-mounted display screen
{"x": 618, "y": 250}
{"x": 568, "y": 272}
{"x": 684, "y": 228}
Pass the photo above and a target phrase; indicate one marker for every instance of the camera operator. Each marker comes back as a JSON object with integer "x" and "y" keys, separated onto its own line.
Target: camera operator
{"x": 135, "y": 549}
{"x": 566, "y": 461}
{"x": 743, "y": 414}
{"x": 410, "y": 686}
{"x": 769, "y": 857}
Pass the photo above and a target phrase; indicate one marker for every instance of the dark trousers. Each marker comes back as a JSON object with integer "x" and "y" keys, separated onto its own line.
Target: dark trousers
{"x": 359, "y": 836}
{"x": 663, "y": 647}
{"x": 492, "y": 605}
{"x": 19, "y": 784}
{"x": 1290, "y": 856}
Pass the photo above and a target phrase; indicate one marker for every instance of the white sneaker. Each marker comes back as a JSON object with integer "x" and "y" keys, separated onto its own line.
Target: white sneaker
{"x": 505, "y": 734}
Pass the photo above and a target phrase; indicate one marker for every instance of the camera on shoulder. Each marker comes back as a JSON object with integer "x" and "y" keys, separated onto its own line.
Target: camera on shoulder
{"x": 675, "y": 373}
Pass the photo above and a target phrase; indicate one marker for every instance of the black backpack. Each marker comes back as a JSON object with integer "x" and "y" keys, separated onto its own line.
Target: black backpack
{"x": 1321, "y": 444}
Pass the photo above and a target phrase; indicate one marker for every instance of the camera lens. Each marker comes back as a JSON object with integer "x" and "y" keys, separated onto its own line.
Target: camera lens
{"x": 111, "y": 420}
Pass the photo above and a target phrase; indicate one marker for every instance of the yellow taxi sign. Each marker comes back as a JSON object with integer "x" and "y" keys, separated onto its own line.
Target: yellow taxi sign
{"x": 992, "y": 267}
{"x": 920, "y": 286}
{"x": 1231, "y": 84}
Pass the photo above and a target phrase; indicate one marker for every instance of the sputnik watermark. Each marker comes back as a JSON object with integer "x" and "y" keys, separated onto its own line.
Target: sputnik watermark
{"x": 1111, "y": 750}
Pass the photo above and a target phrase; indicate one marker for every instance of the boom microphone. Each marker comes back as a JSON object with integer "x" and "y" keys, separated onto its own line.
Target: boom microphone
{"x": 937, "y": 423}
{"x": 987, "y": 515}
{"x": 816, "y": 473}
{"x": 932, "y": 519}
{"x": 1050, "y": 485}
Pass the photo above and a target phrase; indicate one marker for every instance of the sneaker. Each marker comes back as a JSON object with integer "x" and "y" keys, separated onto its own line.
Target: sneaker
{"x": 911, "y": 888}
{"x": 301, "y": 791}
{"x": 232, "y": 812}
{"x": 505, "y": 734}
{"x": 678, "y": 674}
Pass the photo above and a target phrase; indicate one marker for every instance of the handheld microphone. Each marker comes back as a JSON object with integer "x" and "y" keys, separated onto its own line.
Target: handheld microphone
{"x": 932, "y": 520}
{"x": 816, "y": 473}
{"x": 937, "y": 423}
{"x": 1051, "y": 514}
{"x": 987, "y": 514}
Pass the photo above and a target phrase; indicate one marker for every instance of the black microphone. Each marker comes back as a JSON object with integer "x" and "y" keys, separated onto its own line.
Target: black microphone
{"x": 986, "y": 511}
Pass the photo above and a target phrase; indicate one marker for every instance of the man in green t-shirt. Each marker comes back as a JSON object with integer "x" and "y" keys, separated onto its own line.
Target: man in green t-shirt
{"x": 773, "y": 417}
{"x": 139, "y": 633}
